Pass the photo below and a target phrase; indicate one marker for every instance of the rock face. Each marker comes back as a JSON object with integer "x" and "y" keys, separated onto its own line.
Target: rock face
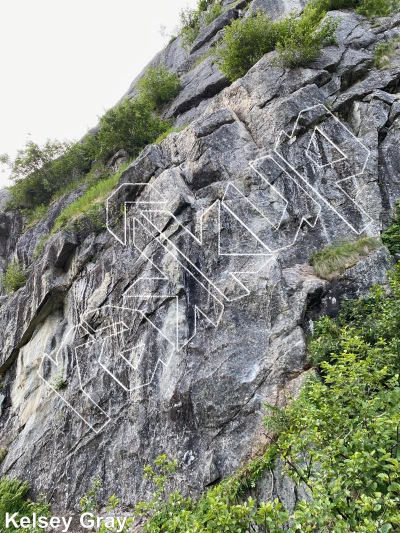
{"x": 167, "y": 332}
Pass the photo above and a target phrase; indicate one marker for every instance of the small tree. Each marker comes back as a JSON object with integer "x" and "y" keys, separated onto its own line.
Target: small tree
{"x": 130, "y": 125}
{"x": 14, "y": 277}
{"x": 158, "y": 86}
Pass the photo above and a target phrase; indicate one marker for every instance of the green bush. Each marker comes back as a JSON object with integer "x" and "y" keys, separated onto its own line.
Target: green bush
{"x": 38, "y": 172}
{"x": 391, "y": 237}
{"x": 339, "y": 441}
{"x": 213, "y": 13}
{"x": 42, "y": 173}
{"x": 190, "y": 19}
{"x": 89, "y": 503}
{"x": 14, "y": 277}
{"x": 244, "y": 43}
{"x": 384, "y": 53}
{"x": 378, "y": 8}
{"x": 189, "y": 25}
{"x": 130, "y": 125}
{"x": 87, "y": 204}
{"x": 298, "y": 40}
{"x": 3, "y": 453}
{"x": 335, "y": 260}
{"x": 158, "y": 86}
{"x": 13, "y": 499}
{"x": 59, "y": 382}
{"x": 203, "y": 5}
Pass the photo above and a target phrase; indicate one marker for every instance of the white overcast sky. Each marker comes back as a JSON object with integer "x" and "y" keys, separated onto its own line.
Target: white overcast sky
{"x": 63, "y": 63}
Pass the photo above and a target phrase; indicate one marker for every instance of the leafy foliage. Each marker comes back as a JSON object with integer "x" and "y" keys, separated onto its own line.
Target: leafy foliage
{"x": 13, "y": 499}
{"x": 189, "y": 25}
{"x": 297, "y": 39}
{"x": 59, "y": 382}
{"x": 213, "y": 13}
{"x": 391, "y": 237}
{"x": 158, "y": 86}
{"x": 190, "y": 19}
{"x": 244, "y": 43}
{"x": 216, "y": 512}
{"x": 39, "y": 171}
{"x": 300, "y": 39}
{"x": 14, "y": 277}
{"x": 89, "y": 504}
{"x": 378, "y": 8}
{"x": 334, "y": 260}
{"x": 87, "y": 204}
{"x": 384, "y": 53}
{"x": 130, "y": 125}
{"x": 340, "y": 440}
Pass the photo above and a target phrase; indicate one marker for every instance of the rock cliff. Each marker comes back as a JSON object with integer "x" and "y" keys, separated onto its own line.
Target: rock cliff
{"x": 171, "y": 328}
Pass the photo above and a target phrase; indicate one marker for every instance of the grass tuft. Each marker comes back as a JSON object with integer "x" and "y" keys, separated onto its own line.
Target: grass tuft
{"x": 91, "y": 199}
{"x": 384, "y": 53}
{"x": 335, "y": 260}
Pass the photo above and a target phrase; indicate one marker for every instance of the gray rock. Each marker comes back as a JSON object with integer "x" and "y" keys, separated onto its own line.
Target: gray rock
{"x": 278, "y": 9}
{"x": 67, "y": 243}
{"x": 212, "y": 29}
{"x": 204, "y": 81}
{"x": 263, "y": 176}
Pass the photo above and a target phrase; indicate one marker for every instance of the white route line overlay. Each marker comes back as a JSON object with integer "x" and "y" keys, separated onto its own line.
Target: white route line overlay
{"x": 269, "y": 255}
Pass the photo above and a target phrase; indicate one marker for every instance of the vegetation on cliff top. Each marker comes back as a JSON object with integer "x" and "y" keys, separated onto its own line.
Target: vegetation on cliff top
{"x": 297, "y": 39}
{"x": 191, "y": 19}
{"x": 41, "y": 172}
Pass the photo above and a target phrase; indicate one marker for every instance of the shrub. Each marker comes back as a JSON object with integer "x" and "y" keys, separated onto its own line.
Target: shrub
{"x": 334, "y": 260}
{"x": 3, "y": 453}
{"x": 298, "y": 40}
{"x": 339, "y": 442}
{"x": 391, "y": 237}
{"x": 213, "y": 13}
{"x": 89, "y": 504}
{"x": 203, "y": 5}
{"x": 378, "y": 8}
{"x": 189, "y": 25}
{"x": 130, "y": 125}
{"x": 59, "y": 383}
{"x": 40, "y": 171}
{"x": 372, "y": 317}
{"x": 86, "y": 204}
{"x": 384, "y": 52}
{"x": 14, "y": 277}
{"x": 244, "y": 43}
{"x": 158, "y": 86}
{"x": 13, "y": 499}
{"x": 190, "y": 19}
